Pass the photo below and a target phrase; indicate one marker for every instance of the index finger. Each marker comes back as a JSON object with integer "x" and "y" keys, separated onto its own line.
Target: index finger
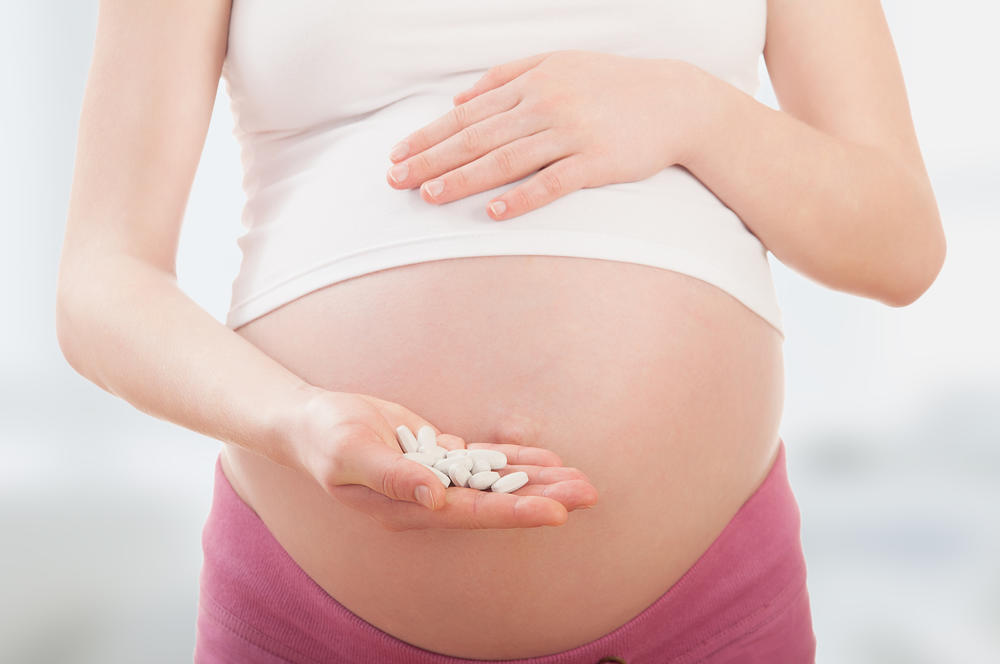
{"x": 526, "y": 455}
{"x": 453, "y": 121}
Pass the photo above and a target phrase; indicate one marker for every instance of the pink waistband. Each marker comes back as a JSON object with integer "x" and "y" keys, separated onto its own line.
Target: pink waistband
{"x": 254, "y": 594}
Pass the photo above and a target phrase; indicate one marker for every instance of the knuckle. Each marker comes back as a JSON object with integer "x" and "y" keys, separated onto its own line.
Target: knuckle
{"x": 504, "y": 159}
{"x": 521, "y": 198}
{"x": 476, "y": 518}
{"x": 460, "y": 116}
{"x": 390, "y": 482}
{"x": 557, "y": 107}
{"x": 459, "y": 180}
{"x": 538, "y": 105}
{"x": 492, "y": 74}
{"x": 472, "y": 139}
{"x": 552, "y": 181}
{"x": 535, "y": 75}
{"x": 420, "y": 164}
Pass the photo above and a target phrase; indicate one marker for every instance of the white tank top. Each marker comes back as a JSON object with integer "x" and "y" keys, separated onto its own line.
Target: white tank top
{"x": 321, "y": 90}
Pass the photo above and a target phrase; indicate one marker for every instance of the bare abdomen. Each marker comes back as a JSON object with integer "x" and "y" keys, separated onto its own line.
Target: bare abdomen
{"x": 664, "y": 390}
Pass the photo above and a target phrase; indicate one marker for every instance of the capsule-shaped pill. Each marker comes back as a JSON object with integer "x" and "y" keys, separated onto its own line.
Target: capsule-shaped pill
{"x": 459, "y": 474}
{"x": 480, "y": 465}
{"x": 459, "y": 452}
{"x": 511, "y": 482}
{"x": 445, "y": 480}
{"x": 407, "y": 441}
{"x": 495, "y": 458}
{"x": 444, "y": 464}
{"x": 426, "y": 438}
{"x": 421, "y": 457}
{"x": 483, "y": 480}
{"x": 435, "y": 451}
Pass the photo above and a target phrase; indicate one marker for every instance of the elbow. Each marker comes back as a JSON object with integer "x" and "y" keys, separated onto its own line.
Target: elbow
{"x": 919, "y": 270}
{"x": 72, "y": 340}
{"x": 64, "y": 330}
{"x": 67, "y": 314}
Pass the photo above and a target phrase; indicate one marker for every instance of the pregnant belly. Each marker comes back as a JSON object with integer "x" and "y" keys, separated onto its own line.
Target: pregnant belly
{"x": 666, "y": 391}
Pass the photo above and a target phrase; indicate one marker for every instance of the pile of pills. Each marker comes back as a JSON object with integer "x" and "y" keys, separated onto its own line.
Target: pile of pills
{"x": 475, "y": 469}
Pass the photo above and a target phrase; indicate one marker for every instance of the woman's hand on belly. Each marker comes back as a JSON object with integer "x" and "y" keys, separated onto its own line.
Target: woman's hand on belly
{"x": 347, "y": 443}
{"x": 585, "y": 118}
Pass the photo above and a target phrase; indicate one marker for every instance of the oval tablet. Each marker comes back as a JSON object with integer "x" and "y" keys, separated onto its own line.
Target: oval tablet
{"x": 407, "y": 441}
{"x": 511, "y": 482}
{"x": 445, "y": 480}
{"x": 480, "y": 465}
{"x": 437, "y": 452}
{"x": 484, "y": 480}
{"x": 444, "y": 464}
{"x": 426, "y": 437}
{"x": 421, "y": 457}
{"x": 459, "y": 452}
{"x": 459, "y": 474}
{"x": 496, "y": 458}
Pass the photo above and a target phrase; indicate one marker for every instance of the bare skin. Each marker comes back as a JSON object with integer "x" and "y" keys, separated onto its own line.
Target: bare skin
{"x": 664, "y": 390}
{"x": 604, "y": 355}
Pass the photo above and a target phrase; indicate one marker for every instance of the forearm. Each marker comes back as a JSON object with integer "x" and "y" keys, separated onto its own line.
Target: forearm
{"x": 847, "y": 215}
{"x": 127, "y": 327}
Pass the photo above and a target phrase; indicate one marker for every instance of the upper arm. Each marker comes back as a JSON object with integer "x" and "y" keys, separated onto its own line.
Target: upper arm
{"x": 833, "y": 65}
{"x": 150, "y": 90}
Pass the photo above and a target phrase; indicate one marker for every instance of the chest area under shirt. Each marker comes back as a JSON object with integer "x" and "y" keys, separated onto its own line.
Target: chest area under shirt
{"x": 296, "y": 63}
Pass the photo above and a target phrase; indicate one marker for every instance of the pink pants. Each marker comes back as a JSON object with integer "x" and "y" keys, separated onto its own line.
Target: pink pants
{"x": 744, "y": 601}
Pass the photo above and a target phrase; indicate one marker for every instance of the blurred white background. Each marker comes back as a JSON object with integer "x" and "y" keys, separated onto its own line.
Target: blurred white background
{"x": 891, "y": 417}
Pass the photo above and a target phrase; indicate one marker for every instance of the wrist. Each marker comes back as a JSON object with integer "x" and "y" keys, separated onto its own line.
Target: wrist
{"x": 705, "y": 112}
{"x": 291, "y": 420}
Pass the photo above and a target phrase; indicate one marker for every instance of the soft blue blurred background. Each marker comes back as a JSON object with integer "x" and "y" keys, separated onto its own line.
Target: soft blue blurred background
{"x": 891, "y": 417}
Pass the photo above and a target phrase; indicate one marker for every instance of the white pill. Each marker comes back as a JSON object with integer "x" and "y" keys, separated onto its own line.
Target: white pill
{"x": 480, "y": 465}
{"x": 483, "y": 480}
{"x": 459, "y": 452}
{"x": 407, "y": 441}
{"x": 436, "y": 452}
{"x": 426, "y": 437}
{"x": 444, "y": 464}
{"x": 445, "y": 480}
{"x": 511, "y": 482}
{"x": 495, "y": 458}
{"x": 459, "y": 474}
{"x": 421, "y": 457}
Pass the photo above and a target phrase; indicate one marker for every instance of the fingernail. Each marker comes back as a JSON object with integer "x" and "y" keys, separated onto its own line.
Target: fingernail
{"x": 424, "y": 496}
{"x": 398, "y": 172}
{"x": 434, "y": 187}
{"x": 399, "y": 150}
{"x": 498, "y": 207}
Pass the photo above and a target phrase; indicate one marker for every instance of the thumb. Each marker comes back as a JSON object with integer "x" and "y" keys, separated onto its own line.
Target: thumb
{"x": 387, "y": 471}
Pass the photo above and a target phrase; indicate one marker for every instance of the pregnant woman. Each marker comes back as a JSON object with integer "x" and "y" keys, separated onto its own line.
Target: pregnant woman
{"x": 540, "y": 228}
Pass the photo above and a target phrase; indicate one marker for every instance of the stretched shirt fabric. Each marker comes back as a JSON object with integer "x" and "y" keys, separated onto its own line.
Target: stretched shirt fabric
{"x": 320, "y": 91}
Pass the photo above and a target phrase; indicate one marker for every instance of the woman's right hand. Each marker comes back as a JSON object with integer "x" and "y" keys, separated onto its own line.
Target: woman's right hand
{"x": 347, "y": 443}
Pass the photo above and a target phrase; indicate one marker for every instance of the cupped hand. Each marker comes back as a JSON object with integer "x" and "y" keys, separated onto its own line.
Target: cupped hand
{"x": 347, "y": 443}
{"x": 584, "y": 118}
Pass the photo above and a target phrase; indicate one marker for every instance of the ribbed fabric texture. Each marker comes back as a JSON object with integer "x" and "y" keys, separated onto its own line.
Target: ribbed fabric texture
{"x": 745, "y": 600}
{"x": 320, "y": 92}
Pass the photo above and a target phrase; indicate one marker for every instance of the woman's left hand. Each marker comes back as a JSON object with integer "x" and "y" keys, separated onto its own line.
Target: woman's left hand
{"x": 584, "y": 118}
